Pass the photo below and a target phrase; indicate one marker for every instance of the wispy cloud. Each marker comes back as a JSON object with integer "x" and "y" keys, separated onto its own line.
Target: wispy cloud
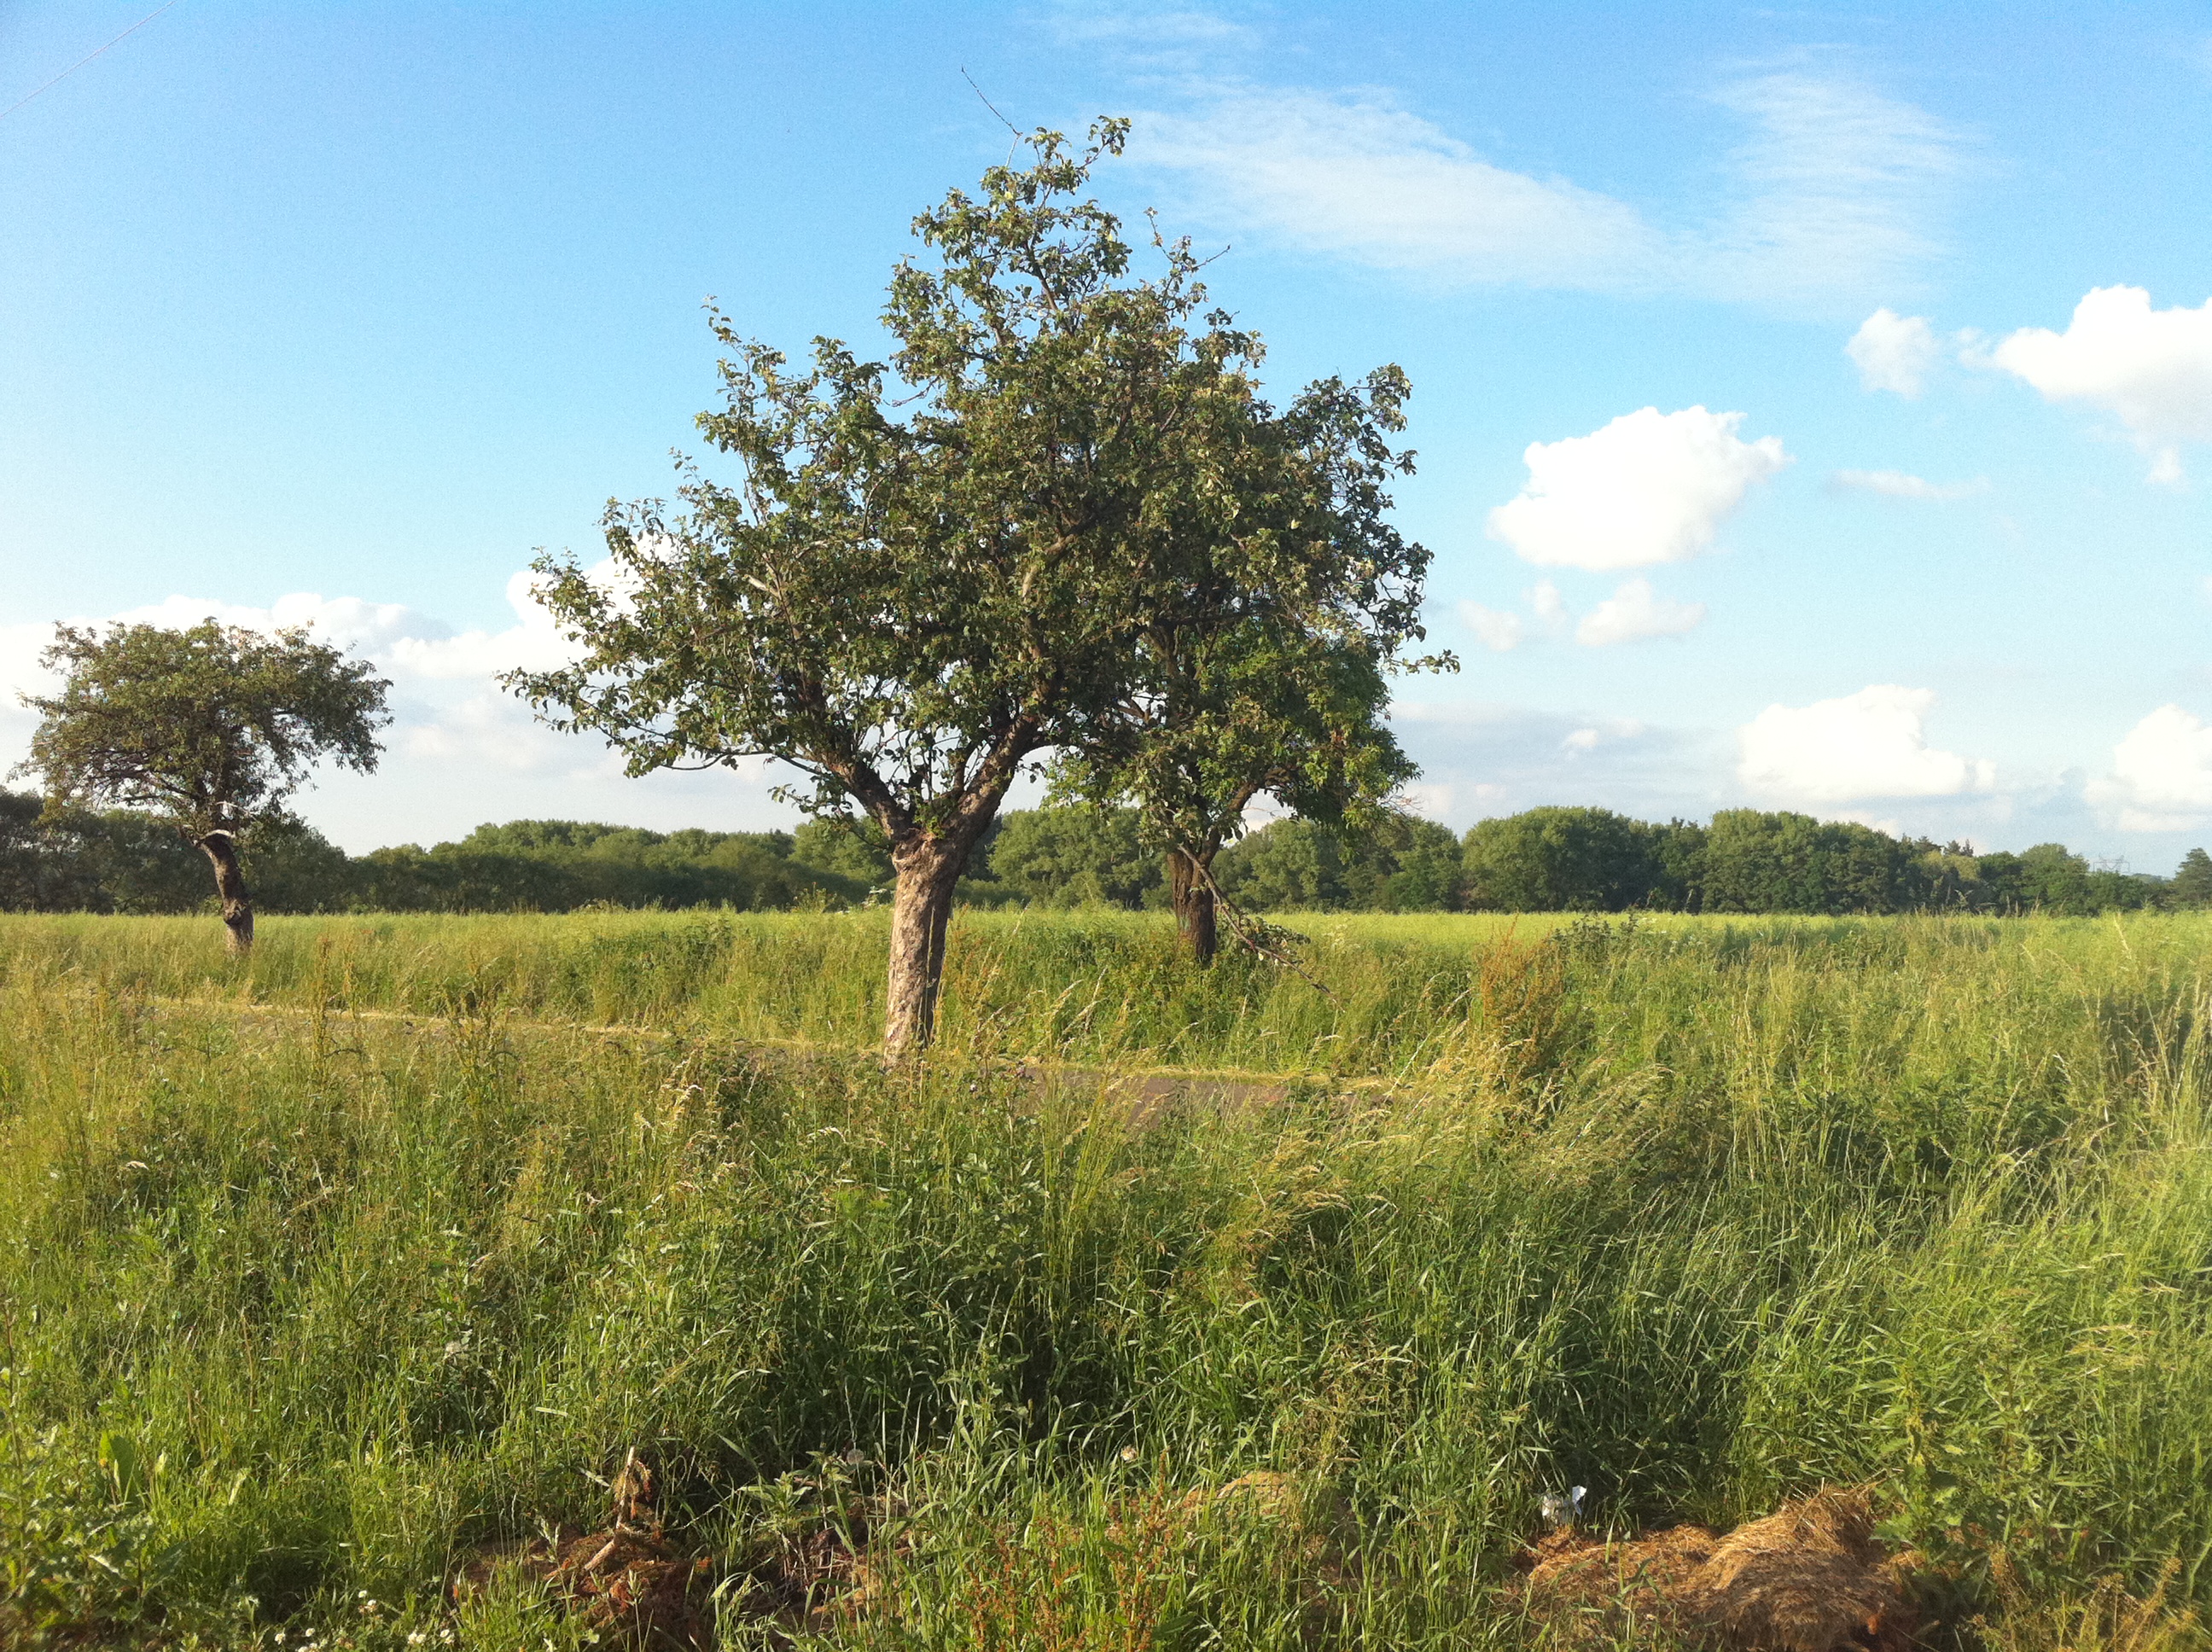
{"x": 1902, "y": 484}
{"x": 1837, "y": 187}
{"x": 1831, "y": 195}
{"x": 1480, "y": 759}
{"x": 1357, "y": 175}
{"x": 1168, "y": 38}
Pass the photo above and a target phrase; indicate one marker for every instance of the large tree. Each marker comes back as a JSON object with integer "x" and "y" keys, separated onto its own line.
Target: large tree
{"x": 936, "y": 568}
{"x": 210, "y": 729}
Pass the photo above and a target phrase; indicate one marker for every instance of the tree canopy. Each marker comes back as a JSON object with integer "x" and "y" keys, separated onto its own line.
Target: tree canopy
{"x": 1268, "y": 676}
{"x": 2192, "y": 880}
{"x": 210, "y": 729}
{"x": 934, "y": 569}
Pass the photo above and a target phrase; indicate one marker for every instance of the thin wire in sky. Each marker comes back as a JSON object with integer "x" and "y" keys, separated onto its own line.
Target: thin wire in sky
{"x": 86, "y": 59}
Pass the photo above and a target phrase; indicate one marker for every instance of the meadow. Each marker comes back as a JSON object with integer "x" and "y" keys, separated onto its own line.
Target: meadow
{"x": 326, "y": 1274}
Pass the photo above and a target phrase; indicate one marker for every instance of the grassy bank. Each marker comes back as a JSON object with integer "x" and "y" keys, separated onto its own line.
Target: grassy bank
{"x": 303, "y": 1311}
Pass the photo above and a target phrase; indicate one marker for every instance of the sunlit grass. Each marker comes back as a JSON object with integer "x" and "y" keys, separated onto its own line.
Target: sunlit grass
{"x": 302, "y": 1308}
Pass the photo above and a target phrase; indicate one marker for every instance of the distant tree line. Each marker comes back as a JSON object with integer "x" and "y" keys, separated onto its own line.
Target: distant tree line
{"x": 1552, "y": 859}
{"x": 1755, "y": 860}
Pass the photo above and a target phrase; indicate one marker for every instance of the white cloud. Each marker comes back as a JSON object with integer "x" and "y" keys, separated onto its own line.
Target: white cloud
{"x": 2162, "y": 777}
{"x": 1903, "y": 484}
{"x": 1359, "y": 176}
{"x": 1887, "y": 825}
{"x": 1169, "y": 37}
{"x": 1551, "y": 608}
{"x": 1502, "y": 629}
{"x": 1650, "y": 487}
{"x": 1868, "y": 744}
{"x": 1893, "y": 352}
{"x": 1635, "y": 611}
{"x": 1826, "y": 195}
{"x": 1428, "y": 800}
{"x": 1493, "y": 628}
{"x": 2151, "y": 368}
{"x": 1837, "y": 185}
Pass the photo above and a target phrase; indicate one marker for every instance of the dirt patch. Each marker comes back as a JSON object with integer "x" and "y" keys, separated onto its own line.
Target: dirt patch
{"x": 628, "y": 1582}
{"x": 630, "y": 1588}
{"x": 1810, "y": 1577}
{"x": 810, "y": 1562}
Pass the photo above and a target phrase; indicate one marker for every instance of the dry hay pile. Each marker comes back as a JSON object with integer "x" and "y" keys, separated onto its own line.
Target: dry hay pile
{"x": 626, "y": 1582}
{"x": 634, "y": 1589}
{"x": 629, "y": 1588}
{"x": 1810, "y": 1577}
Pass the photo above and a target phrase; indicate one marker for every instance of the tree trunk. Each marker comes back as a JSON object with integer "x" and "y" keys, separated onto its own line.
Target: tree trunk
{"x": 1191, "y": 891}
{"x": 230, "y": 886}
{"x": 921, "y": 906}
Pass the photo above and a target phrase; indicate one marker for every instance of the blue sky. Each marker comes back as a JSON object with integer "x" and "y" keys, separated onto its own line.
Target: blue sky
{"x": 335, "y": 314}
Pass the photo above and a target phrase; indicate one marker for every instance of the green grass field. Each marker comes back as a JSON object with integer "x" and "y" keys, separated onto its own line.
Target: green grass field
{"x": 320, "y": 1275}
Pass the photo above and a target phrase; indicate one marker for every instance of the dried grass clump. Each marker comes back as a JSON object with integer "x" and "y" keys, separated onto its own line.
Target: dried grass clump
{"x": 1588, "y": 1590}
{"x": 1810, "y": 1577}
{"x": 627, "y": 1584}
{"x": 629, "y": 1588}
{"x": 1264, "y": 1494}
{"x": 2107, "y": 1619}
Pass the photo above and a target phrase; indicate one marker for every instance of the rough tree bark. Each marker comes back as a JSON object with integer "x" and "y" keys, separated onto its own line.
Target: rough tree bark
{"x": 230, "y": 886}
{"x": 928, "y": 870}
{"x": 1190, "y": 891}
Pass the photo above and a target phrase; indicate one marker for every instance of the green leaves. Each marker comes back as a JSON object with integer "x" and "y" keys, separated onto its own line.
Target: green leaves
{"x": 1266, "y": 672}
{"x": 1059, "y": 518}
{"x": 211, "y": 727}
{"x": 932, "y": 568}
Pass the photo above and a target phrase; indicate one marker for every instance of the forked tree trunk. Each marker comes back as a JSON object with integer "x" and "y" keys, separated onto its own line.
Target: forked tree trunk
{"x": 921, "y": 906}
{"x": 1190, "y": 889}
{"x": 230, "y": 887}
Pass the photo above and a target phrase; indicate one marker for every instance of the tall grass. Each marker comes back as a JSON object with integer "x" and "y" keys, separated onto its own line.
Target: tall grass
{"x": 301, "y": 1310}
{"x": 1378, "y": 995}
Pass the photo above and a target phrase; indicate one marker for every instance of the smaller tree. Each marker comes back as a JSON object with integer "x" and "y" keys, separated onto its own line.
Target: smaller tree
{"x": 2192, "y": 881}
{"x": 210, "y": 729}
{"x": 1265, "y": 673}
